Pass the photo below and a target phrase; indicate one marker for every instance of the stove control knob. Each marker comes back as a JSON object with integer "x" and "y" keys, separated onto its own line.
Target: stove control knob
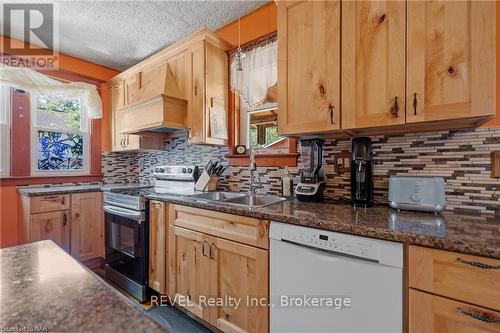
{"x": 189, "y": 170}
{"x": 183, "y": 170}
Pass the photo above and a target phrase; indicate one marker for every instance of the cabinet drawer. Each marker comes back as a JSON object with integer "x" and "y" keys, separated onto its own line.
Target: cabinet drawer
{"x": 241, "y": 229}
{"x": 429, "y": 313}
{"x": 49, "y": 203}
{"x": 467, "y": 278}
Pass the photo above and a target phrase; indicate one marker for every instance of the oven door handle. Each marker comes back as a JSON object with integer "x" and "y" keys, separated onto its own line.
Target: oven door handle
{"x": 127, "y": 213}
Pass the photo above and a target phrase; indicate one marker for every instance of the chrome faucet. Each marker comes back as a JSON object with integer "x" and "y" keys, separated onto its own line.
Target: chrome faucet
{"x": 252, "y": 168}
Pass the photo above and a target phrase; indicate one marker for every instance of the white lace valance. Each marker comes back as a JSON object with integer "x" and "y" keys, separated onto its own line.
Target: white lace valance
{"x": 260, "y": 72}
{"x": 33, "y": 81}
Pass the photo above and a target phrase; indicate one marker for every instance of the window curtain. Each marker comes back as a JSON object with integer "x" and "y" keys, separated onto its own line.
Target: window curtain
{"x": 260, "y": 72}
{"x": 33, "y": 81}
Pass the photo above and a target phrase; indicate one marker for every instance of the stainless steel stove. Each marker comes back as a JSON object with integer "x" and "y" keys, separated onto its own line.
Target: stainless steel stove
{"x": 127, "y": 226}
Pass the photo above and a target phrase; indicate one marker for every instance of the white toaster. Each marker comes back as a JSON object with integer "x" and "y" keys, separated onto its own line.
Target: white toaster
{"x": 417, "y": 193}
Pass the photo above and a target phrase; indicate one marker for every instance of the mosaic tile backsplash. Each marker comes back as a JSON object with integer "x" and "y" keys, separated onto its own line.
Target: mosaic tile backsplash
{"x": 462, "y": 157}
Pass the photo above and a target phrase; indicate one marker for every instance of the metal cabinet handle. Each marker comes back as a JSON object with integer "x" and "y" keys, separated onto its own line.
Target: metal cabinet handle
{"x": 51, "y": 198}
{"x": 331, "y": 109}
{"x": 212, "y": 255}
{"x": 65, "y": 219}
{"x": 63, "y": 200}
{"x": 479, "y": 316}
{"x": 415, "y": 104}
{"x": 395, "y": 107}
{"x": 477, "y": 264}
{"x": 196, "y": 89}
{"x": 48, "y": 227}
{"x": 189, "y": 134}
{"x": 203, "y": 248}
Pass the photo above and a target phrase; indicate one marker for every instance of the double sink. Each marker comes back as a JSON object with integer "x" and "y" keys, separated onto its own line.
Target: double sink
{"x": 237, "y": 199}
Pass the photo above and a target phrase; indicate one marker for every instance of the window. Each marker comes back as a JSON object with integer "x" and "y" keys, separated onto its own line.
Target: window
{"x": 4, "y": 130}
{"x": 60, "y": 136}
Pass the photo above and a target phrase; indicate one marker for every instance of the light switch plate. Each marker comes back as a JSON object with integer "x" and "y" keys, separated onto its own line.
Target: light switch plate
{"x": 495, "y": 164}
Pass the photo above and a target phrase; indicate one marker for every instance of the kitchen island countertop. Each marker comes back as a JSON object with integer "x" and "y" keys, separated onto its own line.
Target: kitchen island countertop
{"x": 44, "y": 289}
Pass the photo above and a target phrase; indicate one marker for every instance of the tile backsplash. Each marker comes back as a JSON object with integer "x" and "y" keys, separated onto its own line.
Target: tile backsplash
{"x": 462, "y": 157}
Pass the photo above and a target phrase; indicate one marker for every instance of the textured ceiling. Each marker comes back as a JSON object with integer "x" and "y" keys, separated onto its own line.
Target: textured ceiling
{"x": 119, "y": 34}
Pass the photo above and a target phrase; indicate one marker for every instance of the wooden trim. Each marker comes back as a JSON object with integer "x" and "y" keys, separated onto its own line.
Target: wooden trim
{"x": 495, "y": 164}
{"x": 268, "y": 160}
{"x": 49, "y": 180}
{"x": 20, "y": 137}
{"x": 95, "y": 146}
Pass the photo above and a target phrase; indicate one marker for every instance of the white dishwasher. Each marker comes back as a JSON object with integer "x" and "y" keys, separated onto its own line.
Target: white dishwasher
{"x": 322, "y": 281}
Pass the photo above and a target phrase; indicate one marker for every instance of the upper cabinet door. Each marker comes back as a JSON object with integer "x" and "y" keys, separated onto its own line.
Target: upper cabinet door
{"x": 373, "y": 63}
{"x": 308, "y": 66}
{"x": 196, "y": 103}
{"x": 451, "y": 60}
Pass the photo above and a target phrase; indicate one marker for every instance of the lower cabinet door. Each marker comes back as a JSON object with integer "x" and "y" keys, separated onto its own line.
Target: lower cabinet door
{"x": 87, "y": 226}
{"x": 430, "y": 313}
{"x": 52, "y": 226}
{"x": 192, "y": 267}
{"x": 239, "y": 279}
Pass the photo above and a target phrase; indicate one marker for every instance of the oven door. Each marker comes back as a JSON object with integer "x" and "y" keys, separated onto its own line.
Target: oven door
{"x": 127, "y": 242}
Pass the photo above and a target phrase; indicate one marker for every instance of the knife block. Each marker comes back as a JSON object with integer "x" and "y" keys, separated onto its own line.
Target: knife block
{"x": 206, "y": 182}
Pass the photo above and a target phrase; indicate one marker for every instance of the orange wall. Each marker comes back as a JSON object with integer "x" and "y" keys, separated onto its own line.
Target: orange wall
{"x": 256, "y": 24}
{"x": 9, "y": 215}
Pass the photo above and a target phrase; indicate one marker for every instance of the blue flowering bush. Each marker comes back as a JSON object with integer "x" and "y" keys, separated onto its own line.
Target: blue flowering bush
{"x": 59, "y": 151}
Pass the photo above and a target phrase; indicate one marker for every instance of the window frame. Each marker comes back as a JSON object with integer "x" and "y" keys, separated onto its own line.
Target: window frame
{"x": 85, "y": 131}
{"x": 5, "y": 147}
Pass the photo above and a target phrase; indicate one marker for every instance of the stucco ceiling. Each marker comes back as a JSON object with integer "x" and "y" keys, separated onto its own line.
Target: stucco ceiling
{"x": 119, "y": 34}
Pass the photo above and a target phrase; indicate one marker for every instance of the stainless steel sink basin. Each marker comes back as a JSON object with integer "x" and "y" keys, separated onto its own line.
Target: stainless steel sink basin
{"x": 255, "y": 200}
{"x": 217, "y": 196}
{"x": 238, "y": 199}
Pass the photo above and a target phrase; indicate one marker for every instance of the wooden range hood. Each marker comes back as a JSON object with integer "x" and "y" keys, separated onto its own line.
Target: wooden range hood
{"x": 155, "y": 102}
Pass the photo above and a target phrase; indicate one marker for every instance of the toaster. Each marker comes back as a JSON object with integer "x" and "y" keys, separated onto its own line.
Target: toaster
{"x": 417, "y": 193}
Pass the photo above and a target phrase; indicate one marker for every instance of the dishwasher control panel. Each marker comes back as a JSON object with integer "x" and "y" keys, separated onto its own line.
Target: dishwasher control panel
{"x": 331, "y": 241}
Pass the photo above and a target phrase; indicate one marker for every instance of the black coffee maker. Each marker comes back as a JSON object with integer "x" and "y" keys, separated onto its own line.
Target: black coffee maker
{"x": 312, "y": 180}
{"x": 361, "y": 172}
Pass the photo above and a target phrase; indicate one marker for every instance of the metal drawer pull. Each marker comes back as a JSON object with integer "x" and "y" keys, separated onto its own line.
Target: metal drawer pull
{"x": 51, "y": 198}
{"x": 65, "y": 219}
{"x": 203, "y": 248}
{"x": 331, "y": 108}
{"x": 415, "y": 104}
{"x": 477, "y": 264}
{"x": 479, "y": 316}
{"x": 395, "y": 107}
{"x": 212, "y": 256}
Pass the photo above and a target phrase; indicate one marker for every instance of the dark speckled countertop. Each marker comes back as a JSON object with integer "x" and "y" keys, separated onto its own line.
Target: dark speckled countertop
{"x": 462, "y": 232}
{"x": 471, "y": 234}
{"x": 46, "y": 290}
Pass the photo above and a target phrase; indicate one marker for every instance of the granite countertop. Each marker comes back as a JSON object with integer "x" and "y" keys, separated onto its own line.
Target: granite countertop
{"x": 471, "y": 234}
{"x": 461, "y": 232}
{"x": 44, "y": 289}
{"x": 32, "y": 191}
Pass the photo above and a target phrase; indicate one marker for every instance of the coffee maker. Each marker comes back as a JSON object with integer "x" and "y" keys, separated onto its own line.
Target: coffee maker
{"x": 361, "y": 172}
{"x": 312, "y": 180}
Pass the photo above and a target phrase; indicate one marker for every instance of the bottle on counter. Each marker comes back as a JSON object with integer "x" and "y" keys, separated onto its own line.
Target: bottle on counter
{"x": 286, "y": 184}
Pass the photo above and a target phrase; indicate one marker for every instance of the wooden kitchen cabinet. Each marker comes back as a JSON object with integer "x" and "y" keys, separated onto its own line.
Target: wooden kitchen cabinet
{"x": 52, "y": 226}
{"x": 192, "y": 271}
{"x": 435, "y": 314}
{"x": 238, "y": 271}
{"x": 308, "y": 66}
{"x": 209, "y": 84}
{"x": 158, "y": 229}
{"x": 73, "y": 221}
{"x": 87, "y": 226}
{"x": 452, "y": 292}
{"x": 451, "y": 60}
{"x": 373, "y": 63}
{"x": 220, "y": 255}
